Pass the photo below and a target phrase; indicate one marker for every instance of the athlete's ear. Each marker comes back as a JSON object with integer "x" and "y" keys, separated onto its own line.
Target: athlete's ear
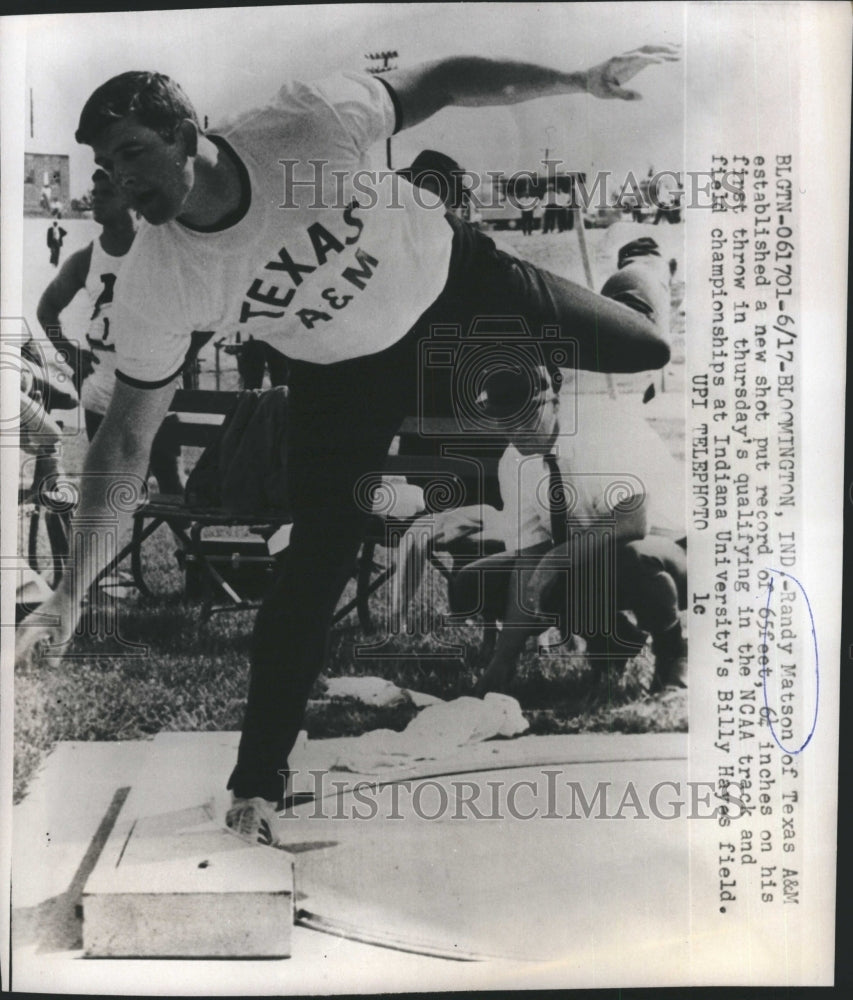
{"x": 188, "y": 132}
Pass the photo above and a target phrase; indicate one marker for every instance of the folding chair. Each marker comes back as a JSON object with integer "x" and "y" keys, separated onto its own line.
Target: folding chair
{"x": 196, "y": 417}
{"x": 194, "y": 421}
{"x": 451, "y": 468}
{"x": 42, "y": 507}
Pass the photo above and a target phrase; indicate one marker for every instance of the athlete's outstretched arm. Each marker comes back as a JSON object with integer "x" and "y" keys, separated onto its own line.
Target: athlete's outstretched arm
{"x": 115, "y": 469}
{"x": 471, "y": 81}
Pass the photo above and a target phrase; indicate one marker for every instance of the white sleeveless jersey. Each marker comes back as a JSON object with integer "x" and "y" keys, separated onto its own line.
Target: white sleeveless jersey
{"x": 100, "y": 283}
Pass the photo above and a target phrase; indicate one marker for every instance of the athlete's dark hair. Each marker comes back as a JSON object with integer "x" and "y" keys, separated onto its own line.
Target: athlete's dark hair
{"x": 156, "y": 100}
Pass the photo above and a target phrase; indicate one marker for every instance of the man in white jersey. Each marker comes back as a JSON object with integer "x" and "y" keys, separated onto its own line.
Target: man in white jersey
{"x": 96, "y": 268}
{"x": 272, "y": 218}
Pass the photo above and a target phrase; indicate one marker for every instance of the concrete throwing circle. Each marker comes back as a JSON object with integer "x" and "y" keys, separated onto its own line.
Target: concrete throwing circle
{"x": 536, "y": 862}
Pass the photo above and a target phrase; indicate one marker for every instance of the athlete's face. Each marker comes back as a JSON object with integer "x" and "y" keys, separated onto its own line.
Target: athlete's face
{"x": 107, "y": 204}
{"x": 153, "y": 175}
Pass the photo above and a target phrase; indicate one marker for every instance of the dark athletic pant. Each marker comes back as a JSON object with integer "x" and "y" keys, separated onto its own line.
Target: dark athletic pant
{"x": 342, "y": 420}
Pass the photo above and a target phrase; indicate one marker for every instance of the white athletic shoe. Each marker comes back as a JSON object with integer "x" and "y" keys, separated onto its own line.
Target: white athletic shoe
{"x": 254, "y": 820}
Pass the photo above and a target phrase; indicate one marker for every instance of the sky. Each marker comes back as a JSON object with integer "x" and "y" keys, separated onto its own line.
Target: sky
{"x": 231, "y": 59}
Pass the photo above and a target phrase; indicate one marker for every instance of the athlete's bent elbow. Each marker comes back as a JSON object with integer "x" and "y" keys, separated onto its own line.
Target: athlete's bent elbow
{"x": 47, "y": 315}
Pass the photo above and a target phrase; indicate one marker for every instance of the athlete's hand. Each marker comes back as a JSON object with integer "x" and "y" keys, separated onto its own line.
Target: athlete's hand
{"x": 606, "y": 79}
{"x": 454, "y": 525}
{"x": 45, "y": 633}
{"x": 86, "y": 362}
{"x": 39, "y": 432}
{"x": 82, "y": 363}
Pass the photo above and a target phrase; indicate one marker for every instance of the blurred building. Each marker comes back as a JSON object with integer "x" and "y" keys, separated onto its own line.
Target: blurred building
{"x": 495, "y": 196}
{"x": 46, "y": 183}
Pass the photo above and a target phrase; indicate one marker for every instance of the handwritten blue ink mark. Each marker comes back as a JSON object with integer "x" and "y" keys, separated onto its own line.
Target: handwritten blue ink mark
{"x": 768, "y": 710}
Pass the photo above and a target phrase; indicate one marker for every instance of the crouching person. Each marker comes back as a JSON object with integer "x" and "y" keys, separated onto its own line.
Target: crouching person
{"x": 589, "y": 531}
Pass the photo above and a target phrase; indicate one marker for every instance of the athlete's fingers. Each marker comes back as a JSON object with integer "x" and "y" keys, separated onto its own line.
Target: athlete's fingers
{"x": 626, "y": 95}
{"x": 634, "y": 63}
{"x": 669, "y": 51}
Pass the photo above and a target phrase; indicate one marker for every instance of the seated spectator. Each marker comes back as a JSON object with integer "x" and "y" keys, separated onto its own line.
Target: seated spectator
{"x": 591, "y": 523}
{"x": 581, "y": 537}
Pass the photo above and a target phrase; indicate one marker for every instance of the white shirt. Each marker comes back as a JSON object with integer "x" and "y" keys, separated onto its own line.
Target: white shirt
{"x": 613, "y": 454}
{"x": 322, "y": 279}
{"x": 101, "y": 279}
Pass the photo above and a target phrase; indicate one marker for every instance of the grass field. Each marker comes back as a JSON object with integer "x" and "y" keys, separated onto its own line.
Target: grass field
{"x": 193, "y": 674}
